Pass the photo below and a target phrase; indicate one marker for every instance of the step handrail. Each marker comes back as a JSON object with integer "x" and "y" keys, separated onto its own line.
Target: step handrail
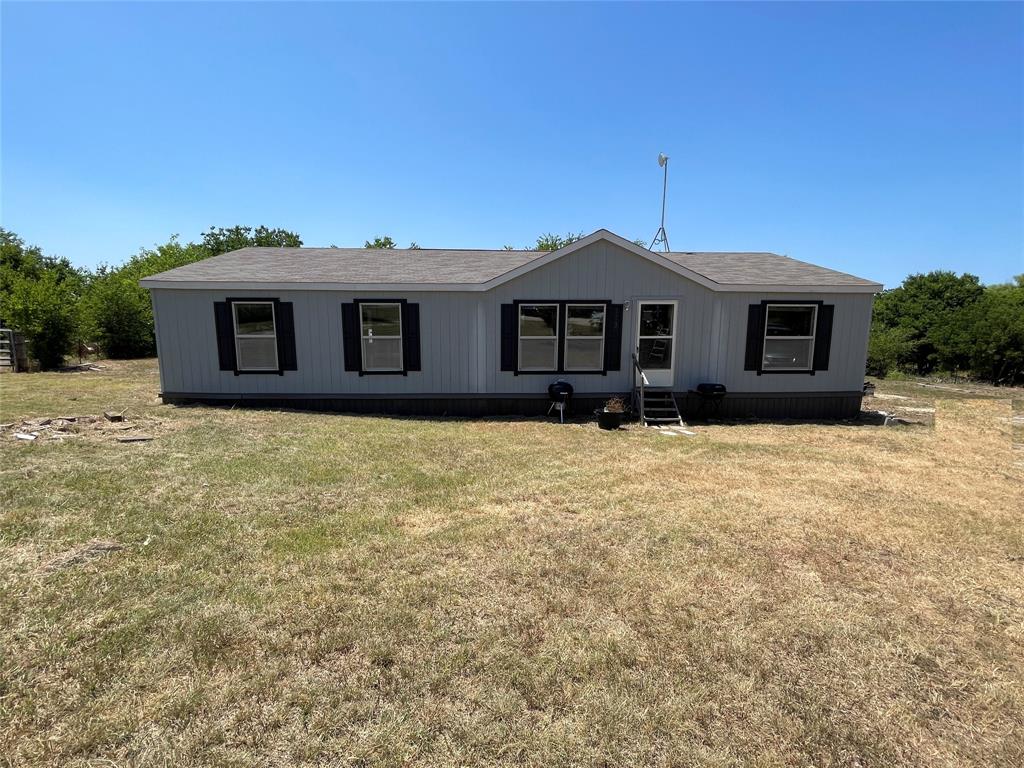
{"x": 643, "y": 382}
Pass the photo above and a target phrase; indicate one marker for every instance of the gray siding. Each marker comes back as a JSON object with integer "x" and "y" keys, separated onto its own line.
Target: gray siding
{"x": 460, "y": 336}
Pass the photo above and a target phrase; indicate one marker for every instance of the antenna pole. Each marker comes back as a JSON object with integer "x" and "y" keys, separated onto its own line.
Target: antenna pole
{"x": 661, "y": 236}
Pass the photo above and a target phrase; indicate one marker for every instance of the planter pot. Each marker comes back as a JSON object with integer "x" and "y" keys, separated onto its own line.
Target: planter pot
{"x": 609, "y": 419}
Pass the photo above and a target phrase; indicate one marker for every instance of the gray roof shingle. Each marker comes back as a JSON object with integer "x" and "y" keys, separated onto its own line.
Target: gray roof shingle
{"x": 426, "y": 267}
{"x": 352, "y": 265}
{"x": 760, "y": 269}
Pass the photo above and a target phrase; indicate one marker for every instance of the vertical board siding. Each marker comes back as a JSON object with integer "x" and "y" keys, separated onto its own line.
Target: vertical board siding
{"x": 460, "y": 336}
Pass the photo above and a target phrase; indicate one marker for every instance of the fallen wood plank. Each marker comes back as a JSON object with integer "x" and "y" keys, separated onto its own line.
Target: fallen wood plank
{"x": 134, "y": 439}
{"x": 113, "y": 416}
{"x": 23, "y": 436}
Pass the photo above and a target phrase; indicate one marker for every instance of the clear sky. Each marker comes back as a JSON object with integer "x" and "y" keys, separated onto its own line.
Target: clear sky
{"x": 879, "y": 139}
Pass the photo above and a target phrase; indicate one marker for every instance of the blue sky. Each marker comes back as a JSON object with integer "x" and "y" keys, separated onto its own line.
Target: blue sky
{"x": 880, "y": 139}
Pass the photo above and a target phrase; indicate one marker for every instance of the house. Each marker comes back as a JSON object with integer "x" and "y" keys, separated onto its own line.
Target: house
{"x": 466, "y": 332}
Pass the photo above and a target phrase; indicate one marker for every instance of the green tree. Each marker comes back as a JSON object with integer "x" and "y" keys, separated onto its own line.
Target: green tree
{"x": 45, "y": 309}
{"x": 16, "y": 259}
{"x": 925, "y": 308}
{"x": 380, "y": 242}
{"x": 888, "y": 349}
{"x": 552, "y": 242}
{"x": 219, "y": 240}
{"x": 39, "y": 297}
{"x": 118, "y": 313}
{"x": 995, "y": 327}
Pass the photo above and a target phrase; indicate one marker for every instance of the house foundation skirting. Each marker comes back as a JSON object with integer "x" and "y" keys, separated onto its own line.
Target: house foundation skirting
{"x": 803, "y": 405}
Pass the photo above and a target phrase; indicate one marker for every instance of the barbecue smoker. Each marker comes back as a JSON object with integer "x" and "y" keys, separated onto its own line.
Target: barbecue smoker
{"x": 560, "y": 393}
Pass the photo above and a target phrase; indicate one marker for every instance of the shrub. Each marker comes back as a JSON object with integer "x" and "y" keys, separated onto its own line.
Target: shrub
{"x": 44, "y": 309}
{"x": 888, "y": 349}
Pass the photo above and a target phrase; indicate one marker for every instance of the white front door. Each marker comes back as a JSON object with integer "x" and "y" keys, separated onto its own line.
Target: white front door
{"x": 655, "y": 341}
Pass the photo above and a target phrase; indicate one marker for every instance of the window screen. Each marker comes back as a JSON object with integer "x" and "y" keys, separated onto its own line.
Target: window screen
{"x": 584, "y": 337}
{"x": 538, "y": 337}
{"x": 789, "y": 337}
{"x": 255, "y": 336}
{"x": 381, "y": 331}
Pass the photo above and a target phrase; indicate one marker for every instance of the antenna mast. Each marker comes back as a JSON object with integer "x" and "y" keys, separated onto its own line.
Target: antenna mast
{"x": 661, "y": 236}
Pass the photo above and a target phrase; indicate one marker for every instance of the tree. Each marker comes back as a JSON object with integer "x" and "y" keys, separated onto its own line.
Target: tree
{"x": 118, "y": 313}
{"x": 219, "y": 240}
{"x": 552, "y": 242}
{"x": 39, "y": 297}
{"x": 45, "y": 310}
{"x": 414, "y": 246}
{"x": 888, "y": 349}
{"x": 925, "y": 308}
{"x": 995, "y": 328}
{"x": 641, "y": 242}
{"x": 380, "y": 242}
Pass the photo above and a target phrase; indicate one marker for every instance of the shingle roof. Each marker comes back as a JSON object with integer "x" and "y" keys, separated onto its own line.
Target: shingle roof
{"x": 353, "y": 265}
{"x": 473, "y": 268}
{"x": 731, "y": 268}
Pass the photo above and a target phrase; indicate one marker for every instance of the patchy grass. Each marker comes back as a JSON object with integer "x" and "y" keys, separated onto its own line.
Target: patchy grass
{"x": 319, "y": 589}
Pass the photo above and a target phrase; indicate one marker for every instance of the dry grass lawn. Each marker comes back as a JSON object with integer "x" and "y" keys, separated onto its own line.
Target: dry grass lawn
{"x": 321, "y": 589}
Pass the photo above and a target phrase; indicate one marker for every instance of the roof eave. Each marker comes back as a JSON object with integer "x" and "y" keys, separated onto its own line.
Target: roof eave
{"x": 215, "y": 285}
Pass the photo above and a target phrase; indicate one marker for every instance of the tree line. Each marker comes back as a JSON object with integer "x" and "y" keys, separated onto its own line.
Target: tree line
{"x": 941, "y": 323}
{"x": 933, "y": 323}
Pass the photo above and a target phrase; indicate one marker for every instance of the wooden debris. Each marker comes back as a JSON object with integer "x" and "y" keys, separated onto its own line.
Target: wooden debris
{"x": 134, "y": 439}
{"x": 111, "y": 416}
{"x": 23, "y": 436}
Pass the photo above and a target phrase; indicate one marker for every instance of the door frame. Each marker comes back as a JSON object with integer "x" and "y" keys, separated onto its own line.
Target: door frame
{"x": 658, "y": 377}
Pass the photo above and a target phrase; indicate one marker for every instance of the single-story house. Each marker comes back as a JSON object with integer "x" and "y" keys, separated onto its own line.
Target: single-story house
{"x": 467, "y": 332}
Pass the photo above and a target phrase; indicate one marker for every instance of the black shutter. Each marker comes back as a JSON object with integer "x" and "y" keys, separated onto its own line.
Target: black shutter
{"x": 613, "y": 338}
{"x": 350, "y": 337}
{"x": 411, "y": 336}
{"x": 755, "y": 338}
{"x": 509, "y": 337}
{"x": 286, "y": 357}
{"x": 823, "y": 336}
{"x": 225, "y": 335}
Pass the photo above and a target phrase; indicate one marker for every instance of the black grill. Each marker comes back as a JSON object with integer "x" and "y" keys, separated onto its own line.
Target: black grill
{"x": 711, "y": 391}
{"x": 560, "y": 391}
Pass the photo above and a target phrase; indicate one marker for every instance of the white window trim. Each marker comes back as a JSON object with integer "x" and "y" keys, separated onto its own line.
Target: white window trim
{"x": 519, "y": 334}
{"x": 238, "y": 353}
{"x": 364, "y": 334}
{"x": 814, "y": 329}
{"x": 568, "y": 335}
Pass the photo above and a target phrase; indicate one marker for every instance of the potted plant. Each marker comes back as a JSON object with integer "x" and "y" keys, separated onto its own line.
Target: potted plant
{"x": 610, "y": 417}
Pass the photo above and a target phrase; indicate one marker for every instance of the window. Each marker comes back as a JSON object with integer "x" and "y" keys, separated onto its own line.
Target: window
{"x": 789, "y": 337}
{"x": 381, "y": 336}
{"x": 584, "y": 337}
{"x": 538, "y": 337}
{"x": 255, "y": 336}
